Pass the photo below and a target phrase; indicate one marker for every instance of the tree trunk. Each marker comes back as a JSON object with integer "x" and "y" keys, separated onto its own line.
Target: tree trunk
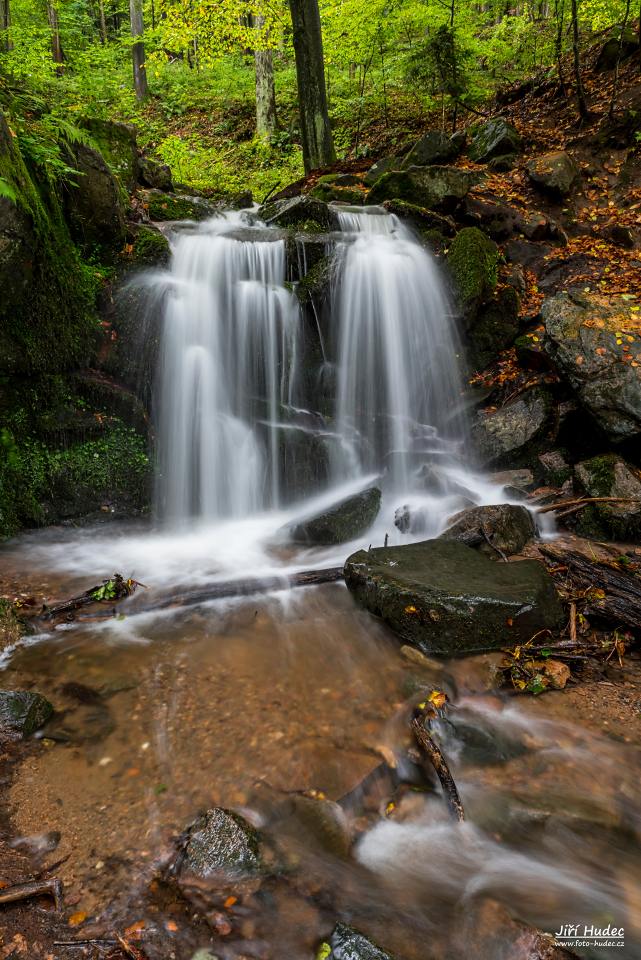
{"x": 56, "y": 45}
{"x": 615, "y": 82}
{"x": 318, "y": 148}
{"x": 584, "y": 113}
{"x": 559, "y": 14}
{"x": 103, "y": 21}
{"x": 138, "y": 50}
{"x": 5, "y": 23}
{"x": 265, "y": 89}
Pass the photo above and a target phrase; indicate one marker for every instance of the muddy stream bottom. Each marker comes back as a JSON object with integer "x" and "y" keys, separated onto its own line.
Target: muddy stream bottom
{"x": 244, "y": 704}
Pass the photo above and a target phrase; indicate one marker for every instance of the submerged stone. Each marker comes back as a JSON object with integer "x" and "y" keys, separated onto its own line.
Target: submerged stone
{"x": 446, "y": 598}
{"x": 346, "y": 943}
{"x": 220, "y": 844}
{"x": 342, "y": 522}
{"x": 22, "y": 713}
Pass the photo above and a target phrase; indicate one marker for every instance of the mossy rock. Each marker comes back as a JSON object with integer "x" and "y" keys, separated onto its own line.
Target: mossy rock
{"x": 610, "y": 476}
{"x": 445, "y": 598}
{"x": 421, "y": 220}
{"x": 496, "y": 138}
{"x": 343, "y": 522}
{"x": 22, "y": 712}
{"x": 155, "y": 175}
{"x": 117, "y": 144}
{"x": 315, "y": 286}
{"x": 149, "y": 247}
{"x": 433, "y": 148}
{"x": 555, "y": 173}
{"x": 221, "y": 844}
{"x": 436, "y": 187}
{"x": 305, "y": 214}
{"x": 163, "y": 206}
{"x": 494, "y": 329}
{"x": 472, "y": 261}
{"x": 94, "y": 202}
{"x": 331, "y": 192}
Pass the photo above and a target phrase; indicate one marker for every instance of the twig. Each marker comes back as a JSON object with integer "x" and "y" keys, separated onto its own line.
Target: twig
{"x": 269, "y": 193}
{"x": 573, "y": 622}
{"x": 438, "y": 761}
{"x": 33, "y": 888}
{"x": 493, "y": 545}
{"x": 582, "y": 501}
{"x": 94, "y": 941}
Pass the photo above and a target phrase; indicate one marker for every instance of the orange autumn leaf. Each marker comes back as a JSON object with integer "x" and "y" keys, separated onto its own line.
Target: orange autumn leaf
{"x": 135, "y": 930}
{"x": 171, "y": 926}
{"x": 77, "y": 918}
{"x": 230, "y": 901}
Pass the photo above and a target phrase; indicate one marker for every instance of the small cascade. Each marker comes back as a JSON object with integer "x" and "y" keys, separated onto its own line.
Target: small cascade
{"x": 229, "y": 360}
{"x": 397, "y": 352}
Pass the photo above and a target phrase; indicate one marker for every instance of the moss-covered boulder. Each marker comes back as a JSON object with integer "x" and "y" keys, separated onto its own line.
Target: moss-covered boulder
{"x": 155, "y": 175}
{"x": 554, "y": 173}
{"x": 619, "y": 45}
{"x": 345, "y": 943}
{"x": 117, "y": 144}
{"x": 94, "y": 202}
{"x": 163, "y": 206}
{"x": 446, "y": 598}
{"x": 472, "y": 260}
{"x": 513, "y": 435}
{"x": 496, "y": 138}
{"x": 147, "y": 246}
{"x": 434, "y": 148}
{"x": 342, "y": 522}
{"x": 306, "y": 214}
{"x": 610, "y": 476}
{"x": 497, "y": 529}
{"x": 590, "y": 343}
{"x": 376, "y": 171}
{"x": 422, "y": 221}
{"x": 438, "y": 187}
{"x": 22, "y": 712}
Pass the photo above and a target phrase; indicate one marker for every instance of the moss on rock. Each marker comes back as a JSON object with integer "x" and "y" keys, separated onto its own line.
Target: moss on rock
{"x": 473, "y": 264}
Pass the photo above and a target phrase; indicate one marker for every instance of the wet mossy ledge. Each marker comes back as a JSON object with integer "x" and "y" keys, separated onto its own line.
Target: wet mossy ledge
{"x": 63, "y": 455}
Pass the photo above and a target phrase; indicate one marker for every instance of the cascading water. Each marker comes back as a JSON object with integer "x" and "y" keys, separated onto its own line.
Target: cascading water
{"x": 228, "y": 362}
{"x": 397, "y": 351}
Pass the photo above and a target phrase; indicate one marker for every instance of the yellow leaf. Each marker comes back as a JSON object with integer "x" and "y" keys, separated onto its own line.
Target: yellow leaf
{"x": 438, "y": 699}
{"x": 77, "y": 918}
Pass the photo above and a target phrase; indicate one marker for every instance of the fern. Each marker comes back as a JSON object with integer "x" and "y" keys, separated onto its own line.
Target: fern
{"x": 6, "y": 191}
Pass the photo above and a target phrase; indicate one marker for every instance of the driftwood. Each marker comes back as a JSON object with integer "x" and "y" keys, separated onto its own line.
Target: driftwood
{"x": 438, "y": 761}
{"x": 33, "y": 888}
{"x": 580, "y": 502}
{"x": 621, "y": 602}
{"x": 111, "y": 590}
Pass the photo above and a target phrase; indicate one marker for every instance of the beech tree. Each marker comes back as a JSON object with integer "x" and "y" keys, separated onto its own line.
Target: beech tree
{"x": 265, "y": 88}
{"x": 5, "y": 23}
{"x": 138, "y": 50}
{"x": 316, "y": 134}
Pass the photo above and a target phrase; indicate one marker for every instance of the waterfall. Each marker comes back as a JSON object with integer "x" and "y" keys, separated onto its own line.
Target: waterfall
{"x": 398, "y": 381}
{"x": 231, "y": 364}
{"x": 228, "y": 361}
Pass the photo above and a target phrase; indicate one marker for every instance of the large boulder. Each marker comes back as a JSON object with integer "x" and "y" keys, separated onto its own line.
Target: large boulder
{"x": 448, "y": 599}
{"x": 342, "y": 522}
{"x": 117, "y": 144}
{"x": 435, "y": 147}
{"x": 346, "y": 943}
{"x": 618, "y": 46}
{"x": 510, "y": 435}
{"x": 501, "y": 528}
{"x": 376, "y": 171}
{"x": 592, "y": 348}
{"x": 496, "y": 138}
{"x": 154, "y": 174}
{"x": 494, "y": 329}
{"x": 17, "y": 251}
{"x": 220, "y": 845}
{"x": 339, "y": 187}
{"x": 472, "y": 260}
{"x": 162, "y": 206}
{"x": 94, "y": 200}
{"x": 22, "y": 713}
{"x": 422, "y": 221}
{"x": 610, "y": 476}
{"x": 554, "y": 173}
{"x": 439, "y": 187}
{"x": 306, "y": 214}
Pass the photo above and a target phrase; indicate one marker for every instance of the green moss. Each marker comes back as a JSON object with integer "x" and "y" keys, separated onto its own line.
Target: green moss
{"x": 601, "y": 470}
{"x": 473, "y": 263}
{"x": 117, "y": 144}
{"x": 169, "y": 206}
{"x": 150, "y": 248}
{"x": 316, "y": 283}
{"x": 328, "y": 192}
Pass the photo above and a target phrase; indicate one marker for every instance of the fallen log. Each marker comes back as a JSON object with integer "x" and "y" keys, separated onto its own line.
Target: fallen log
{"x": 621, "y": 588}
{"x": 111, "y": 590}
{"x": 435, "y": 756}
{"x": 33, "y": 888}
{"x": 580, "y": 502}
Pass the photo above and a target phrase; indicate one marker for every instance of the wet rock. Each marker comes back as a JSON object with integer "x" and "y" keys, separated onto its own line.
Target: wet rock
{"x": 313, "y": 822}
{"x": 610, "y": 476}
{"x": 342, "y": 522}
{"x": 346, "y": 943}
{"x": 204, "y": 955}
{"x": 555, "y": 173}
{"x": 520, "y": 480}
{"x": 496, "y": 138}
{"x": 22, "y": 713}
{"x": 147, "y": 247}
{"x": 587, "y": 341}
{"x": 340, "y": 187}
{"x": 434, "y": 148}
{"x": 479, "y": 736}
{"x": 220, "y": 845}
{"x": 422, "y": 221}
{"x": 490, "y": 931}
{"x": 448, "y": 599}
{"x": 494, "y": 328}
{"x": 94, "y": 201}
{"x": 473, "y": 263}
{"x": 555, "y": 467}
{"x": 508, "y": 527}
{"x": 511, "y": 433}
{"x": 441, "y": 188}
{"x": 17, "y": 251}
{"x": 376, "y": 171}
{"x": 410, "y": 519}
{"x": 155, "y": 175}
{"x": 117, "y": 144}
{"x": 498, "y": 220}
{"x": 503, "y": 164}
{"x": 303, "y": 213}
{"x": 163, "y": 206}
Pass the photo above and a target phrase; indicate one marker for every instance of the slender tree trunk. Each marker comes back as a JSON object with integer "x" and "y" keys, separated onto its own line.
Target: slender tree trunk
{"x": 265, "y": 89}
{"x": 584, "y": 113}
{"x": 5, "y": 23}
{"x": 615, "y": 82}
{"x": 318, "y": 148}
{"x": 103, "y": 21}
{"x": 138, "y": 50}
{"x": 56, "y": 45}
{"x": 559, "y": 14}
